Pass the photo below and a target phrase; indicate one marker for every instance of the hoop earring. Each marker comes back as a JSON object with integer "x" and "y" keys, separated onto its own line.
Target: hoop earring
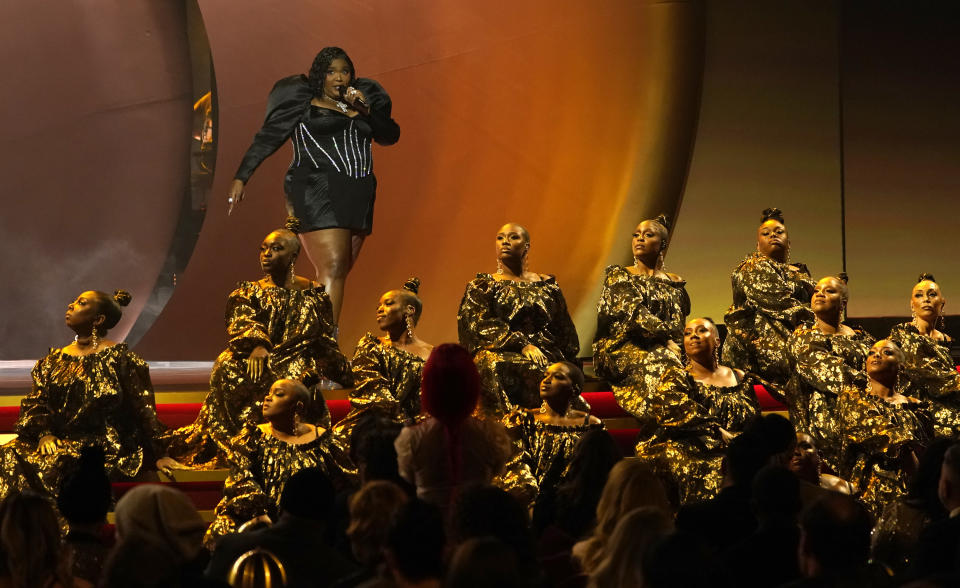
{"x": 409, "y": 321}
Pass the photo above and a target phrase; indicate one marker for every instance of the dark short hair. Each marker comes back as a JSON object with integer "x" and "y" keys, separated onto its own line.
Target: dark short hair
{"x": 308, "y": 494}
{"x": 837, "y": 530}
{"x": 417, "y": 540}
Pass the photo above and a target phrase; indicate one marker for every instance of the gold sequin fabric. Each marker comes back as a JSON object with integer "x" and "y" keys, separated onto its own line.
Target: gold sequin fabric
{"x": 876, "y": 437}
{"x": 770, "y": 300}
{"x": 386, "y": 380}
{"x": 103, "y": 399}
{"x": 296, "y": 327}
{"x": 680, "y": 430}
{"x": 636, "y": 318}
{"x": 496, "y": 320}
{"x": 822, "y": 365}
{"x": 260, "y": 466}
{"x": 542, "y": 452}
{"x": 933, "y": 376}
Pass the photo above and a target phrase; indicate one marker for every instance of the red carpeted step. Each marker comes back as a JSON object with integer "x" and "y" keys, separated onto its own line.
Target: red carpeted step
{"x": 205, "y": 495}
{"x": 766, "y": 400}
{"x": 8, "y": 418}
{"x": 603, "y": 405}
{"x": 183, "y": 413}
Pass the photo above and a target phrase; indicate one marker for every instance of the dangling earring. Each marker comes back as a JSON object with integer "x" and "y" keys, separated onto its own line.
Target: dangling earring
{"x": 409, "y": 321}
{"x": 636, "y": 262}
{"x": 843, "y": 311}
{"x": 660, "y": 260}
{"x": 291, "y": 275}
{"x": 897, "y": 384}
{"x": 94, "y": 340}
{"x": 716, "y": 357}
{"x": 499, "y": 266}
{"x": 296, "y": 423}
{"x": 543, "y": 407}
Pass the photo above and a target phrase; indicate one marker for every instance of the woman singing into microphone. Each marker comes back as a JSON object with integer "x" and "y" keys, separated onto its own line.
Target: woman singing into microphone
{"x": 332, "y": 117}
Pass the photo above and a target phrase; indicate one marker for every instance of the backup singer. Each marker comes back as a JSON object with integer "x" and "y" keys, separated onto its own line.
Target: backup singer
{"x": 770, "y": 300}
{"x": 280, "y": 326}
{"x": 332, "y": 117}
{"x": 91, "y": 392}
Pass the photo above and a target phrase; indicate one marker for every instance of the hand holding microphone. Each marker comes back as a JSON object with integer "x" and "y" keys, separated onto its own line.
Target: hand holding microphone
{"x": 354, "y": 98}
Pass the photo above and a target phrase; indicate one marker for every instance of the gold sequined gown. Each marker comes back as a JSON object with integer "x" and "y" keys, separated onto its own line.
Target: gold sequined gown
{"x": 770, "y": 300}
{"x": 680, "y": 430}
{"x": 104, "y": 399}
{"x": 541, "y": 453}
{"x": 933, "y": 376}
{"x": 386, "y": 380}
{"x": 821, "y": 366}
{"x": 296, "y": 327}
{"x": 260, "y": 466}
{"x": 876, "y": 437}
{"x": 497, "y": 319}
{"x": 637, "y": 316}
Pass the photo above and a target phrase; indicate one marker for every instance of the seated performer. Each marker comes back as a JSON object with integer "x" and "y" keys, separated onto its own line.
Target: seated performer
{"x": 265, "y": 456}
{"x": 515, "y": 323}
{"x": 545, "y": 438}
{"x": 770, "y": 297}
{"x": 806, "y": 464}
{"x": 692, "y": 413}
{"x": 386, "y": 370}
{"x": 880, "y": 430}
{"x": 91, "y": 392}
{"x": 825, "y": 355}
{"x": 640, "y": 319}
{"x": 927, "y": 359}
{"x": 279, "y": 327}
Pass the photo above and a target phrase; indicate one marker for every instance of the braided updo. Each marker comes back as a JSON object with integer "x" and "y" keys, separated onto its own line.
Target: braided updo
{"x": 772, "y": 214}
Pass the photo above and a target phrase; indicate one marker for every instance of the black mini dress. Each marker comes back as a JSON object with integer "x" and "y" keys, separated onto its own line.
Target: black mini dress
{"x": 330, "y": 181}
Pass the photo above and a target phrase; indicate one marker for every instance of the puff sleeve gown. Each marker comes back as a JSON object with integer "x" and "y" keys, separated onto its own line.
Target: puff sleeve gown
{"x": 770, "y": 300}
{"x": 637, "y": 316}
{"x": 386, "y": 380}
{"x": 296, "y": 327}
{"x": 822, "y": 365}
{"x": 876, "y": 437}
{"x": 330, "y": 182}
{"x": 496, "y": 320}
{"x": 260, "y": 466}
{"x": 933, "y": 375}
{"x": 541, "y": 452}
{"x": 104, "y": 398}
{"x": 680, "y": 430}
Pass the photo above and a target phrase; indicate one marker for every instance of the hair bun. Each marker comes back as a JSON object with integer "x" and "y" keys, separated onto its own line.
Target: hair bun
{"x": 663, "y": 220}
{"x": 310, "y": 378}
{"x": 843, "y": 277}
{"x": 122, "y": 297}
{"x": 926, "y": 277}
{"x": 292, "y": 224}
{"x": 412, "y": 285}
{"x": 771, "y": 213}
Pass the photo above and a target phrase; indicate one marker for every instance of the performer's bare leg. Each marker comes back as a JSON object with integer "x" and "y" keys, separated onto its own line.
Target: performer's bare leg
{"x": 332, "y": 253}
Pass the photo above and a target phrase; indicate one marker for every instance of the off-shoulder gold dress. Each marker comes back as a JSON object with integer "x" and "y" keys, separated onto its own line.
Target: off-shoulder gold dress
{"x": 497, "y": 319}
{"x": 821, "y": 366}
{"x": 296, "y": 327}
{"x": 386, "y": 380}
{"x": 876, "y": 437}
{"x": 104, "y": 398}
{"x": 933, "y": 376}
{"x": 541, "y": 452}
{"x": 680, "y": 430}
{"x": 770, "y": 300}
{"x": 637, "y": 316}
{"x": 260, "y": 466}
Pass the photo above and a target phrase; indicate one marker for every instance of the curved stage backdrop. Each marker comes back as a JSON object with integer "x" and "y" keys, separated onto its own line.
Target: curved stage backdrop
{"x": 574, "y": 119}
